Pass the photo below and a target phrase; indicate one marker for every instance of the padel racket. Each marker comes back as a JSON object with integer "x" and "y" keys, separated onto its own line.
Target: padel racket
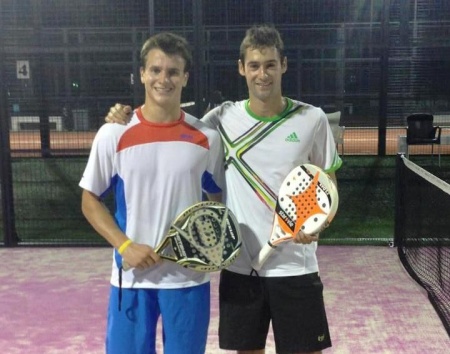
{"x": 205, "y": 237}
{"x": 307, "y": 202}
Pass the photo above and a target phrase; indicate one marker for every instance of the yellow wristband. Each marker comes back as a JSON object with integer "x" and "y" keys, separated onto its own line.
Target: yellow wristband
{"x": 124, "y": 246}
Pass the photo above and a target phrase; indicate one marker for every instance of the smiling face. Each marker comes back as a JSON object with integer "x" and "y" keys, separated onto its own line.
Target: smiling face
{"x": 263, "y": 69}
{"x": 164, "y": 77}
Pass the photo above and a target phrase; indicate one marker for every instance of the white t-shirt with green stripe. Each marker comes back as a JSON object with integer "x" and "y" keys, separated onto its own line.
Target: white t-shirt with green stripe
{"x": 260, "y": 152}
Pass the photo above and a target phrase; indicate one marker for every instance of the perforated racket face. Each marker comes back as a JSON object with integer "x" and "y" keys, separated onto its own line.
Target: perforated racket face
{"x": 307, "y": 201}
{"x": 205, "y": 238}
{"x": 304, "y": 201}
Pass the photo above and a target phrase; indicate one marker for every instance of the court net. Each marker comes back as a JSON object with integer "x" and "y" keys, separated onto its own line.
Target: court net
{"x": 422, "y": 232}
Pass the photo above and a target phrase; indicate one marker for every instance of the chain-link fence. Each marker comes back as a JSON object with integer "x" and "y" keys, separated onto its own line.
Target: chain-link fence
{"x": 64, "y": 63}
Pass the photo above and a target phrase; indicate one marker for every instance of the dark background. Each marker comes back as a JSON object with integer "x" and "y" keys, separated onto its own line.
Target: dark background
{"x": 376, "y": 61}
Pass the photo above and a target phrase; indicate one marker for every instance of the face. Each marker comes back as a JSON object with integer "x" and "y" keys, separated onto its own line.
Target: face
{"x": 263, "y": 70}
{"x": 163, "y": 78}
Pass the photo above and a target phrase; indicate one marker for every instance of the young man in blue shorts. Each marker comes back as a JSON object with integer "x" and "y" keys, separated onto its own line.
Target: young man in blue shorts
{"x": 157, "y": 166}
{"x": 265, "y": 136}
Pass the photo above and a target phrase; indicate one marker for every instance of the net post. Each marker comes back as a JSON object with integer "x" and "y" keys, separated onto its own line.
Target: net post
{"x": 399, "y": 201}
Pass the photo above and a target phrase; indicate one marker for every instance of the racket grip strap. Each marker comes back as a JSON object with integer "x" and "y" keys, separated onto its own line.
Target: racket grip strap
{"x": 124, "y": 246}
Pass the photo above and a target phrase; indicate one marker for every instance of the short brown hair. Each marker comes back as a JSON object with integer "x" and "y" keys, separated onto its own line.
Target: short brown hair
{"x": 259, "y": 37}
{"x": 169, "y": 43}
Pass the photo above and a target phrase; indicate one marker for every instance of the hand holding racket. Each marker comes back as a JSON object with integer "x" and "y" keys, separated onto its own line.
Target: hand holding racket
{"x": 307, "y": 202}
{"x": 204, "y": 237}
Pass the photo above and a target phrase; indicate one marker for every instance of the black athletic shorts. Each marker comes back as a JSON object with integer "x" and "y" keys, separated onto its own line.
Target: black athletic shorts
{"x": 294, "y": 305}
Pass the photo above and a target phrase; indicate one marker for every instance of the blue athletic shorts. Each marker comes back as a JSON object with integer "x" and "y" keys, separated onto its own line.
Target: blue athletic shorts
{"x": 294, "y": 305}
{"x": 184, "y": 312}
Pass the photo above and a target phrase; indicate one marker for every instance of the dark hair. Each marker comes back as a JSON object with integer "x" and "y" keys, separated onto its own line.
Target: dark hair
{"x": 259, "y": 37}
{"x": 169, "y": 43}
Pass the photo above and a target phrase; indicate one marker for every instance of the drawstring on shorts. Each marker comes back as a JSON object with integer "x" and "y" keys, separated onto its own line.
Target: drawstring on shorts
{"x": 120, "y": 288}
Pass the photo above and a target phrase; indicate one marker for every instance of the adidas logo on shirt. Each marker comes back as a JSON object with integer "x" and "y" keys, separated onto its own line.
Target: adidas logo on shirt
{"x": 293, "y": 138}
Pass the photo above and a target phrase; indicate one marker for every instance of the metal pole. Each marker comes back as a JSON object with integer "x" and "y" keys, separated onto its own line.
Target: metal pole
{"x": 151, "y": 17}
{"x": 199, "y": 59}
{"x": 384, "y": 78}
{"x": 7, "y": 200}
{"x": 39, "y": 74}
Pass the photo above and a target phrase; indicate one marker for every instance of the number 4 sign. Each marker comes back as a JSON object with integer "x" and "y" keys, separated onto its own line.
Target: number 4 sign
{"x": 23, "y": 69}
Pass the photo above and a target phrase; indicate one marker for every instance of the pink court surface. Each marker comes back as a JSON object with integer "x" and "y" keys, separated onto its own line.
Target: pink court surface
{"x": 54, "y": 300}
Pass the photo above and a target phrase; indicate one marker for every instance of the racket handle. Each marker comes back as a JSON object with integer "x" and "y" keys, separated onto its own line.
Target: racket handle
{"x": 265, "y": 252}
{"x": 125, "y": 266}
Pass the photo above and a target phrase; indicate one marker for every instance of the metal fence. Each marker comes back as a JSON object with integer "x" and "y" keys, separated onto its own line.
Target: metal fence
{"x": 64, "y": 63}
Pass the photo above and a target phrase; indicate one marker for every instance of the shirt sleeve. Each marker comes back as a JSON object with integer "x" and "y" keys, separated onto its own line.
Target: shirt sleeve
{"x": 99, "y": 169}
{"x": 324, "y": 152}
{"x": 213, "y": 179}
